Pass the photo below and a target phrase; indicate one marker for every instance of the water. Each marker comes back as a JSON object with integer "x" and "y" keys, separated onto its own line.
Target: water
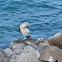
{"x": 44, "y": 16}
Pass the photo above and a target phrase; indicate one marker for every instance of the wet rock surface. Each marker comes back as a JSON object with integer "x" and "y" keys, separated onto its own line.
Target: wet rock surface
{"x": 34, "y": 50}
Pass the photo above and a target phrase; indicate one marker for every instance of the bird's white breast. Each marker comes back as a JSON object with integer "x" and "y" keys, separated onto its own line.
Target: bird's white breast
{"x": 25, "y": 31}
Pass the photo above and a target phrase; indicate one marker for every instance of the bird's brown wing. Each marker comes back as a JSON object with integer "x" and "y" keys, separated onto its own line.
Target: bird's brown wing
{"x": 19, "y": 29}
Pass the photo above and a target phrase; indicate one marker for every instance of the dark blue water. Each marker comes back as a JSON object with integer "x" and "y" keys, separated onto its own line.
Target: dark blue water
{"x": 44, "y": 16}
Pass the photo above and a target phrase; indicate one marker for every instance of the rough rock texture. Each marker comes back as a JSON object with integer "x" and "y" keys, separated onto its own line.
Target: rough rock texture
{"x": 3, "y": 56}
{"x": 52, "y": 51}
{"x": 29, "y": 54}
{"x": 56, "y": 40}
{"x": 34, "y": 50}
{"x": 9, "y": 52}
{"x": 25, "y": 50}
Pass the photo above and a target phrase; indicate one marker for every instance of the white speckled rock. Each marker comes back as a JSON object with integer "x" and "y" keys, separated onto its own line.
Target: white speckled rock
{"x": 51, "y": 59}
{"x": 29, "y": 54}
{"x": 33, "y": 50}
{"x": 17, "y": 46}
{"x": 9, "y": 52}
{"x": 3, "y": 56}
{"x": 17, "y": 51}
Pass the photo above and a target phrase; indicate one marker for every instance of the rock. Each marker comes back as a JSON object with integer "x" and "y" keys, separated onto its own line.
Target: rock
{"x": 56, "y": 40}
{"x": 51, "y": 59}
{"x": 51, "y": 53}
{"x": 17, "y": 47}
{"x": 4, "y": 57}
{"x": 9, "y": 52}
{"x": 24, "y": 41}
{"x": 29, "y": 54}
{"x": 34, "y": 50}
{"x": 42, "y": 42}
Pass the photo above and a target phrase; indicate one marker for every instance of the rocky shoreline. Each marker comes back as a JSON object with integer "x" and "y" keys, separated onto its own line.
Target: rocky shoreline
{"x": 34, "y": 50}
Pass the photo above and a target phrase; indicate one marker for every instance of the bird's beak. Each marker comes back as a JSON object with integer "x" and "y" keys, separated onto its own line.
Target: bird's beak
{"x": 28, "y": 26}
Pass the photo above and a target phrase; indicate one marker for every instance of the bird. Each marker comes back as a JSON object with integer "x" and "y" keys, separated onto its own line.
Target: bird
{"x": 24, "y": 30}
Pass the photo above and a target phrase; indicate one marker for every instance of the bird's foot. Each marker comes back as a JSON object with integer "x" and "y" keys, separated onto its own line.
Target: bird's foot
{"x": 24, "y": 38}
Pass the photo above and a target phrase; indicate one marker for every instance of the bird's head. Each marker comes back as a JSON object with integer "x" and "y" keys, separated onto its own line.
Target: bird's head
{"x": 25, "y": 25}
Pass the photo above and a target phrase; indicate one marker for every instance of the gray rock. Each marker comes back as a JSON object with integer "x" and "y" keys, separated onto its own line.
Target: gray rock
{"x": 56, "y": 40}
{"x": 29, "y": 54}
{"x": 4, "y": 57}
{"x": 9, "y": 52}
{"x": 43, "y": 42}
{"x": 17, "y": 47}
{"x": 51, "y": 53}
{"x": 30, "y": 50}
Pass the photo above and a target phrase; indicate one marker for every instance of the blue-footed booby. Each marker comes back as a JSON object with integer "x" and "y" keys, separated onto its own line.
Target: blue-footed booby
{"x": 24, "y": 29}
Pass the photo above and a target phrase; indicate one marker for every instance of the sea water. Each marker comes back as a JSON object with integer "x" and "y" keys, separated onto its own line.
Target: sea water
{"x": 44, "y": 17}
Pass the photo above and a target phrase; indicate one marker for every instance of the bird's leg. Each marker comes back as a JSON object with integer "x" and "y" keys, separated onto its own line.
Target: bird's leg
{"x": 24, "y": 38}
